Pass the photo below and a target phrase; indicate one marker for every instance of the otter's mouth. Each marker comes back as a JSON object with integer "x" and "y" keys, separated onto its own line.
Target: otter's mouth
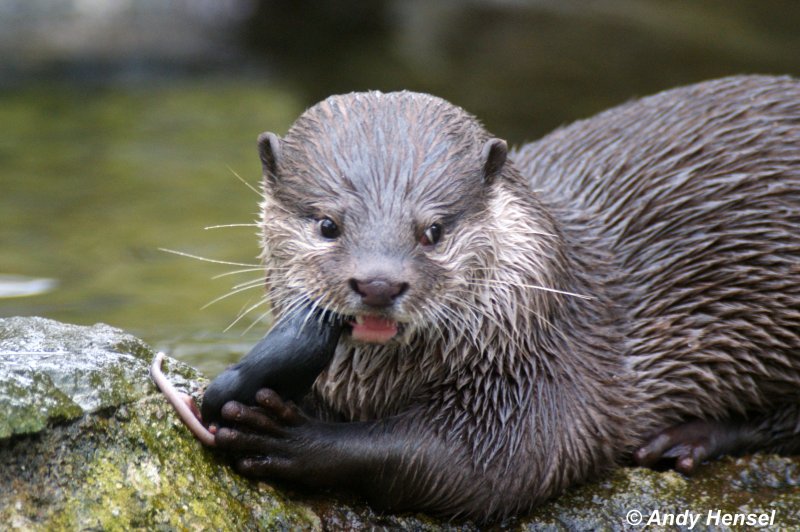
{"x": 374, "y": 330}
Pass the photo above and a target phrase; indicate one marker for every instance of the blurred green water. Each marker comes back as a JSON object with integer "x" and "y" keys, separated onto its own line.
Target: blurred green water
{"x": 94, "y": 181}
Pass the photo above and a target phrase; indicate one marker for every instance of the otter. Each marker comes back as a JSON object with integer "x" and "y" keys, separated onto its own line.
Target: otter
{"x": 627, "y": 287}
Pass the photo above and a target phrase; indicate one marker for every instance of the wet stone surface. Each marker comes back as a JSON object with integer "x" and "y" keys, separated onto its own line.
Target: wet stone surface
{"x": 87, "y": 442}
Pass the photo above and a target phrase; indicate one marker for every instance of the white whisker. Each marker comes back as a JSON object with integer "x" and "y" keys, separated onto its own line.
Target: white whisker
{"x": 241, "y": 315}
{"x": 249, "y": 284}
{"x": 257, "y": 320}
{"x": 204, "y": 259}
{"x": 236, "y": 272}
{"x": 536, "y": 287}
{"x": 245, "y": 182}
{"x": 221, "y": 226}
{"x": 229, "y": 294}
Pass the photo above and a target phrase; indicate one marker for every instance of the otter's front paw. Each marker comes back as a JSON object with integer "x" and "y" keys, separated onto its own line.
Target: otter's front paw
{"x": 689, "y": 444}
{"x": 270, "y": 440}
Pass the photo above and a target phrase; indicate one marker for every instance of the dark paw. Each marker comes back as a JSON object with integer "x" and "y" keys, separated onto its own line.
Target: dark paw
{"x": 688, "y": 445}
{"x": 269, "y": 440}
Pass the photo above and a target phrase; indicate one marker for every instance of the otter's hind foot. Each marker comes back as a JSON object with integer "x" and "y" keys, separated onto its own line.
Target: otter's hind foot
{"x": 689, "y": 444}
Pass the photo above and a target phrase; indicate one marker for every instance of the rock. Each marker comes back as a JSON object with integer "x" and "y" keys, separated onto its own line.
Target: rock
{"x": 87, "y": 442}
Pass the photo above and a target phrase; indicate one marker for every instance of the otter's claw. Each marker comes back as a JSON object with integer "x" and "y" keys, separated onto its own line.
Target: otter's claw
{"x": 689, "y": 444}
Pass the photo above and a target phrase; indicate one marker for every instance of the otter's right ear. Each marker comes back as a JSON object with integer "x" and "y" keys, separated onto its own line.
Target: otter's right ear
{"x": 493, "y": 155}
{"x": 269, "y": 150}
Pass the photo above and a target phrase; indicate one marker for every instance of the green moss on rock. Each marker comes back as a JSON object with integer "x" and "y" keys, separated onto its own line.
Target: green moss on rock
{"x": 87, "y": 442}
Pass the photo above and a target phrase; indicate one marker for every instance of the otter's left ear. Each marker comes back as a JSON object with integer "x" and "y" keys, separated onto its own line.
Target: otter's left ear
{"x": 269, "y": 151}
{"x": 493, "y": 156}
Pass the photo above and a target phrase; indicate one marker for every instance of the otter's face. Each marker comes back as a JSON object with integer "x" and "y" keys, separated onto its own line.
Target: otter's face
{"x": 373, "y": 208}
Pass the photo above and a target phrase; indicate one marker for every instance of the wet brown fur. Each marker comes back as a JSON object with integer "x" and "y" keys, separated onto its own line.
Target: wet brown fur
{"x": 677, "y": 216}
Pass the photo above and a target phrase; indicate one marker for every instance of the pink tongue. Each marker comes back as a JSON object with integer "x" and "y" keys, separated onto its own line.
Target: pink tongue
{"x": 376, "y": 330}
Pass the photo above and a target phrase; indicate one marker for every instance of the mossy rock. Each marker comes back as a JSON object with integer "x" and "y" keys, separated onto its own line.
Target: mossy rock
{"x": 88, "y": 442}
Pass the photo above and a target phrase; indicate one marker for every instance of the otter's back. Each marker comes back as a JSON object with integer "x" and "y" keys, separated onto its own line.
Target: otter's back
{"x": 695, "y": 193}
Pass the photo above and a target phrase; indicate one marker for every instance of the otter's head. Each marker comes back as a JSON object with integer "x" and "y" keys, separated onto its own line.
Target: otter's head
{"x": 375, "y": 208}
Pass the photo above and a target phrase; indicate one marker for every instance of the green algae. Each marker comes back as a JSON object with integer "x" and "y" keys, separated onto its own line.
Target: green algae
{"x": 143, "y": 469}
{"x": 129, "y": 463}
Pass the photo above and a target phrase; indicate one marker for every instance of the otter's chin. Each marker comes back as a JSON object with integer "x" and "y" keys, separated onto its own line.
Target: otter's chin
{"x": 374, "y": 330}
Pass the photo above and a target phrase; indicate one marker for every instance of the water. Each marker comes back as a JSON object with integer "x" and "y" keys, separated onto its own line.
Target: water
{"x": 96, "y": 181}
{"x": 111, "y": 149}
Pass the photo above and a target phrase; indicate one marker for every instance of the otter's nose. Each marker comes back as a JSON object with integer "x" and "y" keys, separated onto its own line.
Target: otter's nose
{"x": 378, "y": 292}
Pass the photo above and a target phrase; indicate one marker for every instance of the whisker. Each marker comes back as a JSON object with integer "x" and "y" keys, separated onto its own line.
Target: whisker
{"x": 245, "y": 313}
{"x": 229, "y": 294}
{"x": 204, "y": 259}
{"x": 252, "y": 282}
{"x": 257, "y": 320}
{"x": 293, "y": 305}
{"x": 314, "y": 306}
{"x": 536, "y": 287}
{"x": 229, "y": 225}
{"x": 243, "y": 180}
{"x": 538, "y": 315}
{"x": 236, "y": 272}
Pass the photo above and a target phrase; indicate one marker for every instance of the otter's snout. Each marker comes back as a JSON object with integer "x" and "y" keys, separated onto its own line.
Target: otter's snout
{"x": 378, "y": 292}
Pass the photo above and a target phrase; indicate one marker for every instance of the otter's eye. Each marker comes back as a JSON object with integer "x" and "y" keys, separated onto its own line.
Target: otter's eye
{"x": 432, "y": 235}
{"x": 328, "y": 228}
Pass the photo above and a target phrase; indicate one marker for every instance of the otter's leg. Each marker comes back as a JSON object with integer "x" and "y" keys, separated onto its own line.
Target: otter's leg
{"x": 395, "y": 463}
{"x": 691, "y": 443}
